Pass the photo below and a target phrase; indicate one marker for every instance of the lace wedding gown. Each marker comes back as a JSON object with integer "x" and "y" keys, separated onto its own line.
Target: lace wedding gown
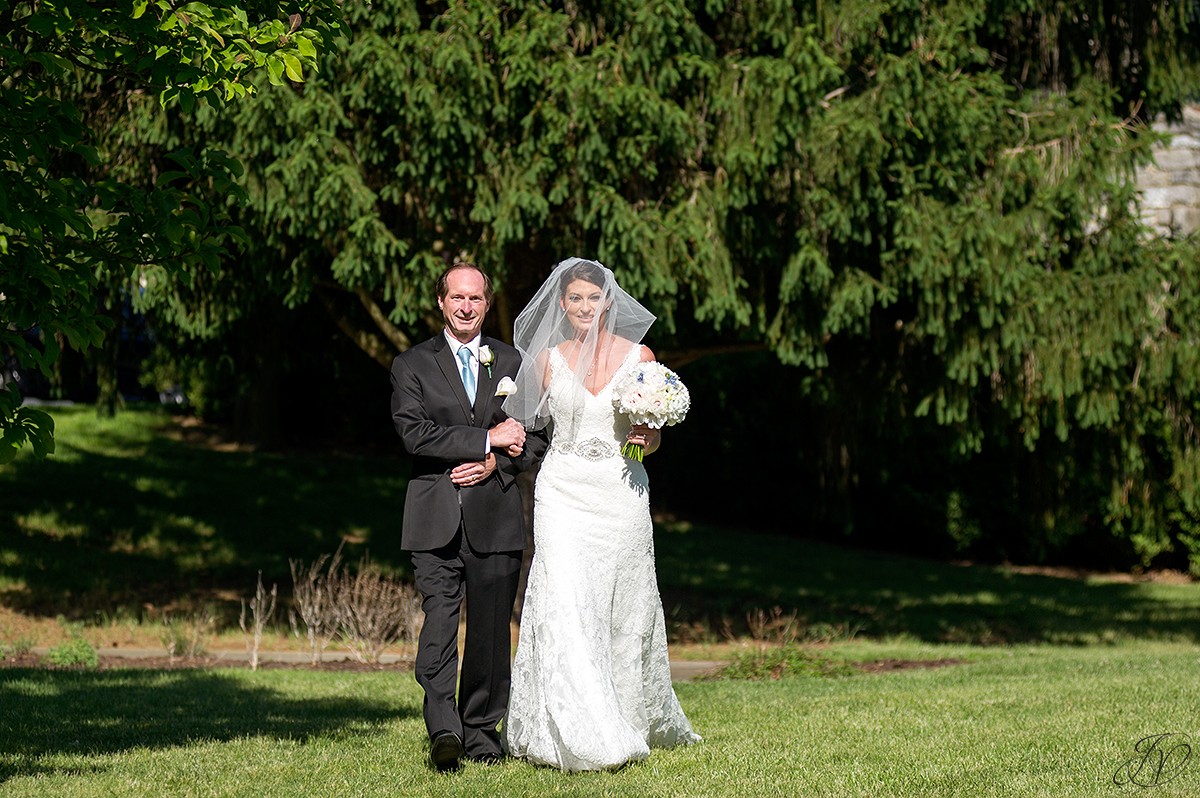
{"x": 591, "y": 684}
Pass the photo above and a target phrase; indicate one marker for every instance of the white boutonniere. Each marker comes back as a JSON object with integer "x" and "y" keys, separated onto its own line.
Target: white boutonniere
{"x": 506, "y": 387}
{"x": 487, "y": 357}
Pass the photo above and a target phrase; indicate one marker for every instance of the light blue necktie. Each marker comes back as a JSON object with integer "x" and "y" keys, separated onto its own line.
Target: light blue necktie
{"x": 468, "y": 374}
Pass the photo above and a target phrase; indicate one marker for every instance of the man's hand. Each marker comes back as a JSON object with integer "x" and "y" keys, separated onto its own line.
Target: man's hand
{"x": 473, "y": 473}
{"x": 508, "y": 435}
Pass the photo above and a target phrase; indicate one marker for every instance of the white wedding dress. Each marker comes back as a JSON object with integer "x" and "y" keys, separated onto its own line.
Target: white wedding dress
{"x": 591, "y": 684}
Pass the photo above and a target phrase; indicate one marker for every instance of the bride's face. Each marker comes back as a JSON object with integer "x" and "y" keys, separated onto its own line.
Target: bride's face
{"x": 581, "y": 301}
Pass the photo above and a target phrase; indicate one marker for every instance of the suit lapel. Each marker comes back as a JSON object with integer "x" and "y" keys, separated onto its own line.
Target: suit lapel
{"x": 447, "y": 361}
{"x": 484, "y": 385}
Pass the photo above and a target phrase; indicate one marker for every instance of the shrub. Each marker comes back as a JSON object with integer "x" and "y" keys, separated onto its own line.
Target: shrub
{"x": 375, "y": 611}
{"x": 366, "y": 609}
{"x": 314, "y": 601}
{"x": 188, "y": 637}
{"x": 74, "y": 652}
{"x": 776, "y": 652}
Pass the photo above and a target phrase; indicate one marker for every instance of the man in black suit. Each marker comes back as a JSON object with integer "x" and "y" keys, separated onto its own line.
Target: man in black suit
{"x": 463, "y": 520}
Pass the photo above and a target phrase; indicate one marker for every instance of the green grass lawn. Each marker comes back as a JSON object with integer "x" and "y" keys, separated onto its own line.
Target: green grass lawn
{"x": 1011, "y": 721}
{"x": 1056, "y": 679}
{"x": 122, "y": 516}
{"x": 708, "y": 573}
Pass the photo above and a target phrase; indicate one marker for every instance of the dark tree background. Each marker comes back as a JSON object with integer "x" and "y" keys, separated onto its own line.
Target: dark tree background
{"x": 893, "y": 244}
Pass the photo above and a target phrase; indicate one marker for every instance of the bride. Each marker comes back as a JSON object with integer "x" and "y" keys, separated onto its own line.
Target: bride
{"x": 591, "y": 684}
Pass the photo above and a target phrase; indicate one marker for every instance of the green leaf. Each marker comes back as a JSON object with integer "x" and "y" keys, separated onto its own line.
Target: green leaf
{"x": 305, "y": 46}
{"x": 293, "y": 67}
{"x": 39, "y": 427}
{"x": 275, "y": 71}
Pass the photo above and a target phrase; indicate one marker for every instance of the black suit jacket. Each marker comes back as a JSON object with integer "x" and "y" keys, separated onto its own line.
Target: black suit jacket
{"x": 441, "y": 430}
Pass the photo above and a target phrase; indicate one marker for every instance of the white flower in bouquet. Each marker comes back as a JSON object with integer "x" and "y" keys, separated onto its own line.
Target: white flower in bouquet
{"x": 653, "y": 395}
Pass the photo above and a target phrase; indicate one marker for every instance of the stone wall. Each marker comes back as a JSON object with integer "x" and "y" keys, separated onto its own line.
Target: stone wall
{"x": 1171, "y": 187}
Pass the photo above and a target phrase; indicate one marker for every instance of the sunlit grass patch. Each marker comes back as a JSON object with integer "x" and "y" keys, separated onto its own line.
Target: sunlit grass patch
{"x": 51, "y": 524}
{"x": 1038, "y": 721}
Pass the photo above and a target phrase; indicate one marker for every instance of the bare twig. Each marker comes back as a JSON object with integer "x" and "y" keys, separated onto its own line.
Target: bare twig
{"x": 262, "y": 610}
{"x": 377, "y": 611}
{"x": 314, "y": 601}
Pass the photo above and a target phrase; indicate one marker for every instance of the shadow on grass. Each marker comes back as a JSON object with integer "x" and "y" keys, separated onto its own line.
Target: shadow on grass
{"x": 712, "y": 577}
{"x": 50, "y": 713}
{"x": 123, "y": 516}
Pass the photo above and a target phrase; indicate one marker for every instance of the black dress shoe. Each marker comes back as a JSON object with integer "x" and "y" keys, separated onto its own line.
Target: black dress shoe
{"x": 487, "y": 759}
{"x": 445, "y": 750}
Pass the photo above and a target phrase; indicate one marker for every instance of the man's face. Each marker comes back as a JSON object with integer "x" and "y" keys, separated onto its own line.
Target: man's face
{"x": 465, "y": 303}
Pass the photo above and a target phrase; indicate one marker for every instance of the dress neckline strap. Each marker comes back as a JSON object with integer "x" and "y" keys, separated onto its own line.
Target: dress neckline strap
{"x": 612, "y": 377}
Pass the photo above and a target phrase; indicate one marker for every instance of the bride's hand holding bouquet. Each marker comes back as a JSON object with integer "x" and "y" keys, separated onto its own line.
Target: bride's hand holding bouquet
{"x": 652, "y": 396}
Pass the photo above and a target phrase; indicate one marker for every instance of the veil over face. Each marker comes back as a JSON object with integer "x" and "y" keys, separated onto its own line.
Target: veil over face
{"x": 581, "y": 310}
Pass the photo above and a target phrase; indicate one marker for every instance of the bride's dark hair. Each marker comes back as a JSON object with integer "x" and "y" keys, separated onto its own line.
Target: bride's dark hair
{"x": 586, "y": 270}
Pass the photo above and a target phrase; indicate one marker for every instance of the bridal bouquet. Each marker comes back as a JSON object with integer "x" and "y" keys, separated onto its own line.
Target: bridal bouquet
{"x": 653, "y": 395}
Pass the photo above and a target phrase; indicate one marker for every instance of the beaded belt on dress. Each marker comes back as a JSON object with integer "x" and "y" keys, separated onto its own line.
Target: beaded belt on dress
{"x": 591, "y": 449}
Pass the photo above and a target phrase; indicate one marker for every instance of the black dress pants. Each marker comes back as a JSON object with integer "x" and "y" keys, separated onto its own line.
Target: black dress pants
{"x": 488, "y": 583}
